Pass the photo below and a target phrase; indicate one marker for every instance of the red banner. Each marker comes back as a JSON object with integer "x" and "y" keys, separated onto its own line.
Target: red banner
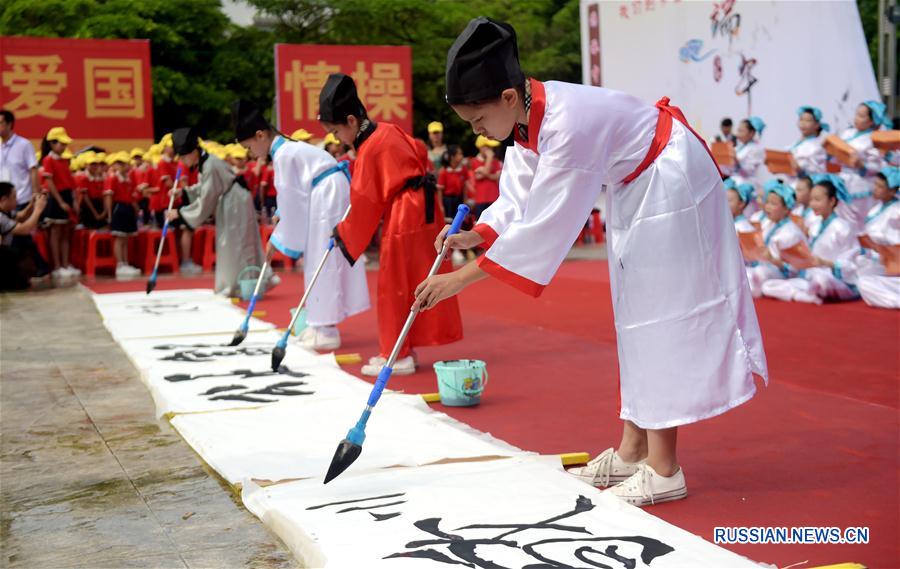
{"x": 383, "y": 78}
{"x": 99, "y": 90}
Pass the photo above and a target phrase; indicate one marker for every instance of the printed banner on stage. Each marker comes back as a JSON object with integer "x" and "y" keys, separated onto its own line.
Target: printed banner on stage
{"x": 99, "y": 90}
{"x": 732, "y": 58}
{"x": 383, "y": 76}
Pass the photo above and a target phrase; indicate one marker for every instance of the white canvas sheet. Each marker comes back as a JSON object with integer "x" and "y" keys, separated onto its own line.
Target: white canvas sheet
{"x": 298, "y": 439}
{"x": 507, "y": 513}
{"x": 182, "y": 312}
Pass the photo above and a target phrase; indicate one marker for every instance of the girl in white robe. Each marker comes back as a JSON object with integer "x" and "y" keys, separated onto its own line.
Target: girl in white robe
{"x": 738, "y": 197}
{"x": 883, "y": 227}
{"x": 313, "y": 194}
{"x": 861, "y": 176}
{"x": 833, "y": 245}
{"x": 808, "y": 151}
{"x": 686, "y": 352}
{"x": 779, "y": 232}
{"x": 750, "y": 162}
{"x": 802, "y": 211}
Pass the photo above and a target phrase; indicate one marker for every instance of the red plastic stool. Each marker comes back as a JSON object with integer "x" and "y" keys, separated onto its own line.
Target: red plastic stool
{"x": 203, "y": 249}
{"x": 98, "y": 252}
{"x": 265, "y": 233}
{"x": 77, "y": 247}
{"x": 149, "y": 244}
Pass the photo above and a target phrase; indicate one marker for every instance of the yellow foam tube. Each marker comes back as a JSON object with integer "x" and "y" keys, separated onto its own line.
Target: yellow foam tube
{"x": 347, "y": 359}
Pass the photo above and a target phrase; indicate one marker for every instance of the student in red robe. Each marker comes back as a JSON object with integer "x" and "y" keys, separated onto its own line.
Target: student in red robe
{"x": 390, "y": 185}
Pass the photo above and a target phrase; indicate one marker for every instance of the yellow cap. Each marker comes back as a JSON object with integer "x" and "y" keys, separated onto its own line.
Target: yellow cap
{"x": 301, "y": 134}
{"x": 435, "y": 127}
{"x": 101, "y": 157}
{"x": 75, "y": 163}
{"x": 166, "y": 141}
{"x": 330, "y": 138}
{"x": 67, "y": 154}
{"x": 137, "y": 152}
{"x": 237, "y": 151}
{"x": 59, "y": 134}
{"x": 117, "y": 157}
{"x": 485, "y": 141}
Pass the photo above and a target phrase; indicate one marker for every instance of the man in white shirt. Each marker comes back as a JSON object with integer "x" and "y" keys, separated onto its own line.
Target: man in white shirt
{"x": 19, "y": 167}
{"x": 18, "y": 164}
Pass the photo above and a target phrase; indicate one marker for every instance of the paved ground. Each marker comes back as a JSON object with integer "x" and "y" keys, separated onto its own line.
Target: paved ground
{"x": 88, "y": 476}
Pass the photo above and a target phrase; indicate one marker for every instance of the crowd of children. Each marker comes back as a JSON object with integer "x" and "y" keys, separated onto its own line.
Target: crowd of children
{"x": 123, "y": 192}
{"x": 829, "y": 230}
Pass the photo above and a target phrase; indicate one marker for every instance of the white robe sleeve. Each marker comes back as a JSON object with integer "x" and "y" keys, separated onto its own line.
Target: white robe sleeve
{"x": 532, "y": 246}
{"x": 294, "y": 189}
{"x": 751, "y": 161}
{"x": 872, "y": 160}
{"x": 515, "y": 183}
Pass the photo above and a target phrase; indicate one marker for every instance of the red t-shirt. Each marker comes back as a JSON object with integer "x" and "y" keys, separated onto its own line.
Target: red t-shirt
{"x": 453, "y": 181}
{"x": 58, "y": 169}
{"x": 122, "y": 190}
{"x": 251, "y": 178}
{"x": 81, "y": 182}
{"x": 163, "y": 179}
{"x": 268, "y": 177}
{"x": 139, "y": 176}
{"x": 95, "y": 187}
{"x": 486, "y": 191}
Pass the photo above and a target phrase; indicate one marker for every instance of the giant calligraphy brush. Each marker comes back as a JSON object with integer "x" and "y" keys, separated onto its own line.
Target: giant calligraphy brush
{"x": 280, "y": 349}
{"x": 151, "y": 282}
{"x": 350, "y": 448}
{"x": 241, "y": 332}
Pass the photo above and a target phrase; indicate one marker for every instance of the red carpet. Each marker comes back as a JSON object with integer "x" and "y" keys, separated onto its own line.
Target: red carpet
{"x": 818, "y": 447}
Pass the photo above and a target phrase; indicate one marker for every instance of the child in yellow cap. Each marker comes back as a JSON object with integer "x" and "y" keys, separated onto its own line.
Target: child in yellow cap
{"x": 61, "y": 207}
{"x": 436, "y": 146}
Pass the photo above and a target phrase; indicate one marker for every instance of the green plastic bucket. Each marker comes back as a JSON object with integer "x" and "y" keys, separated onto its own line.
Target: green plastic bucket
{"x": 461, "y": 382}
{"x": 300, "y": 324}
{"x": 249, "y": 285}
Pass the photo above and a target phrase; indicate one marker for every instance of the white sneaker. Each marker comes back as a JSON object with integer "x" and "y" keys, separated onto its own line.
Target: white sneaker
{"x": 191, "y": 268}
{"x": 380, "y": 361}
{"x": 403, "y": 366}
{"x": 125, "y": 271}
{"x": 607, "y": 469}
{"x": 71, "y": 271}
{"x": 59, "y": 275}
{"x": 647, "y": 487}
{"x": 457, "y": 257}
{"x": 320, "y": 338}
{"x": 274, "y": 280}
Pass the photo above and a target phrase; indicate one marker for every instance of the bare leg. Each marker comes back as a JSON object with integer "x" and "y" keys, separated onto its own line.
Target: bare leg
{"x": 662, "y": 455}
{"x": 65, "y": 242}
{"x": 55, "y": 232}
{"x": 633, "y": 447}
{"x": 186, "y": 245}
{"x": 119, "y": 247}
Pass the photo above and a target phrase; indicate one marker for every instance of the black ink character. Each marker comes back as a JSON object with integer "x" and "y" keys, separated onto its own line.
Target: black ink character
{"x": 377, "y": 516}
{"x": 586, "y": 547}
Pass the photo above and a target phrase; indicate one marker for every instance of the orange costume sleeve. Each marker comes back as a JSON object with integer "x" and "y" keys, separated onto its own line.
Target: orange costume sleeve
{"x": 387, "y": 164}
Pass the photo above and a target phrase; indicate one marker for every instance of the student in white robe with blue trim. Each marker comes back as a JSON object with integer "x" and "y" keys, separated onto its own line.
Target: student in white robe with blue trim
{"x": 883, "y": 227}
{"x": 779, "y": 232}
{"x": 859, "y": 178}
{"x": 313, "y": 194}
{"x": 833, "y": 245}
{"x": 688, "y": 351}
{"x": 750, "y": 163}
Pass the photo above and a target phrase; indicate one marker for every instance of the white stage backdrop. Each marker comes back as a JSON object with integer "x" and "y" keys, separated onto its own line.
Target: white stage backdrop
{"x": 733, "y": 58}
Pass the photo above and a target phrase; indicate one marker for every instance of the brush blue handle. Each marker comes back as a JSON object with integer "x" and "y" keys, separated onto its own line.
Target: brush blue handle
{"x": 461, "y": 212}
{"x": 165, "y": 227}
{"x": 246, "y": 325}
{"x": 282, "y": 343}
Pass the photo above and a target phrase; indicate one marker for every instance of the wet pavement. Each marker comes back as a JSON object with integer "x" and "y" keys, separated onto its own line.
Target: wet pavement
{"x": 88, "y": 476}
